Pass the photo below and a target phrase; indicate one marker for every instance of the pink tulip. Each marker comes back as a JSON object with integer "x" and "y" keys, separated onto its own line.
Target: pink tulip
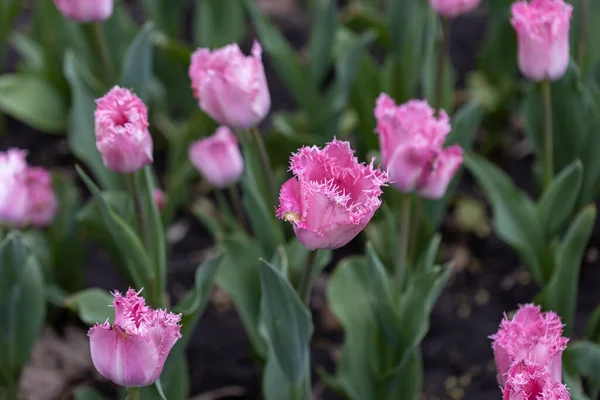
{"x": 159, "y": 198}
{"x": 332, "y": 197}
{"x": 532, "y": 382}
{"x": 532, "y": 336}
{"x": 132, "y": 351}
{"x": 26, "y": 193}
{"x": 229, "y": 86}
{"x": 543, "y": 34}
{"x": 453, "y": 8}
{"x": 85, "y": 10}
{"x": 122, "y": 135}
{"x": 218, "y": 158}
{"x": 411, "y": 140}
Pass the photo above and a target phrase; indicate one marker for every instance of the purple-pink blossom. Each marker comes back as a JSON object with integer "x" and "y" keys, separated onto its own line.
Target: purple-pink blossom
{"x": 411, "y": 140}
{"x": 85, "y": 10}
{"x": 122, "y": 135}
{"x": 218, "y": 158}
{"x": 231, "y": 87}
{"x": 332, "y": 197}
{"x": 453, "y": 8}
{"x": 542, "y": 28}
{"x": 132, "y": 351}
{"x": 527, "y": 381}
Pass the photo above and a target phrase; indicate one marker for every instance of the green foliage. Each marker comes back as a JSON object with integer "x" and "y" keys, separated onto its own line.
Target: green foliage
{"x": 92, "y": 305}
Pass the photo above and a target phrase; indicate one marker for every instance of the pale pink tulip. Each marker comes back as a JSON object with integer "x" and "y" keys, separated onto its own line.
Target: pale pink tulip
{"x": 332, "y": 196}
{"x": 85, "y": 10}
{"x": 229, "y": 86}
{"x": 122, "y": 135}
{"x": 543, "y": 34}
{"x": 43, "y": 204}
{"x": 453, "y": 8}
{"x": 133, "y": 350}
{"x": 218, "y": 158}
{"x": 411, "y": 140}
{"x": 526, "y": 381}
{"x": 532, "y": 336}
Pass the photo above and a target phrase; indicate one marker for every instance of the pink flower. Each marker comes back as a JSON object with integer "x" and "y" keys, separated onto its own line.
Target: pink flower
{"x": 218, "y": 158}
{"x": 26, "y": 193}
{"x": 122, "y": 135}
{"x": 231, "y": 87}
{"x": 453, "y": 8}
{"x": 532, "y": 336}
{"x": 159, "y": 198}
{"x": 411, "y": 140}
{"x": 532, "y": 382}
{"x": 132, "y": 351}
{"x": 543, "y": 33}
{"x": 85, "y": 10}
{"x": 332, "y": 197}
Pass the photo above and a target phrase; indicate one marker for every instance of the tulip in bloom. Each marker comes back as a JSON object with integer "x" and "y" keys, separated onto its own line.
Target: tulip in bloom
{"x": 332, "y": 196}
{"x": 218, "y": 158}
{"x": 411, "y": 140}
{"x": 85, "y": 10}
{"x": 527, "y": 381}
{"x": 532, "y": 336}
{"x": 122, "y": 135}
{"x": 132, "y": 351}
{"x": 453, "y": 8}
{"x": 229, "y": 86}
{"x": 26, "y": 193}
{"x": 543, "y": 34}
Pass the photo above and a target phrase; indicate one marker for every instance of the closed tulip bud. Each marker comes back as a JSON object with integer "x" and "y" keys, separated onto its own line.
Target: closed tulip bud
{"x": 543, "y": 34}
{"x": 532, "y": 336}
{"x": 85, "y": 10}
{"x": 133, "y": 350}
{"x": 411, "y": 141}
{"x": 332, "y": 197}
{"x": 159, "y": 198}
{"x": 453, "y": 8}
{"x": 529, "y": 381}
{"x": 229, "y": 86}
{"x": 122, "y": 135}
{"x": 218, "y": 158}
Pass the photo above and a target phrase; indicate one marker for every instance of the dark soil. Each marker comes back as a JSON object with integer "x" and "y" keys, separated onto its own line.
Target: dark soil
{"x": 457, "y": 355}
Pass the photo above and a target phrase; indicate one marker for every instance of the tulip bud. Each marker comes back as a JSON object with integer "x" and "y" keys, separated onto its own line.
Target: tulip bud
{"x": 229, "y": 86}
{"x": 532, "y": 336}
{"x": 411, "y": 140}
{"x": 543, "y": 34}
{"x": 218, "y": 158}
{"x": 530, "y": 381}
{"x": 122, "y": 135}
{"x": 453, "y": 8}
{"x": 332, "y": 197}
{"x": 85, "y": 10}
{"x": 132, "y": 351}
{"x": 159, "y": 198}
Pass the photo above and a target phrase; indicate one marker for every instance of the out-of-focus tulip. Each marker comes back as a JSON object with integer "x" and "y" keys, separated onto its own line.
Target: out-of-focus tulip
{"x": 229, "y": 86}
{"x": 132, "y": 351}
{"x": 453, "y": 8}
{"x": 532, "y": 336}
{"x": 411, "y": 140}
{"x": 543, "y": 34}
{"x": 529, "y": 381}
{"x": 159, "y": 198}
{"x": 85, "y": 10}
{"x": 332, "y": 196}
{"x": 218, "y": 158}
{"x": 122, "y": 135}
{"x": 26, "y": 193}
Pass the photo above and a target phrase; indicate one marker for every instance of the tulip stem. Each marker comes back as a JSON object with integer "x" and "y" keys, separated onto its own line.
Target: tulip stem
{"x": 133, "y": 393}
{"x": 548, "y": 134}
{"x": 415, "y": 224}
{"x": 404, "y": 237}
{"x": 104, "y": 51}
{"x": 265, "y": 163}
{"x": 236, "y": 201}
{"x": 583, "y": 33}
{"x": 442, "y": 53}
{"x": 305, "y": 284}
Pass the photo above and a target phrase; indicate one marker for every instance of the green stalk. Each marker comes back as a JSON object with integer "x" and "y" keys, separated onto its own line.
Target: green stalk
{"x": 548, "y": 134}
{"x": 404, "y": 237}
{"x": 305, "y": 284}
{"x": 133, "y": 393}
{"x": 104, "y": 51}
{"x": 265, "y": 163}
{"x": 583, "y": 33}
{"x": 236, "y": 200}
{"x": 415, "y": 224}
{"x": 442, "y": 54}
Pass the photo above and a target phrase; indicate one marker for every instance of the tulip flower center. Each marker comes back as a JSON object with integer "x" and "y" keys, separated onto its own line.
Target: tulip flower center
{"x": 291, "y": 216}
